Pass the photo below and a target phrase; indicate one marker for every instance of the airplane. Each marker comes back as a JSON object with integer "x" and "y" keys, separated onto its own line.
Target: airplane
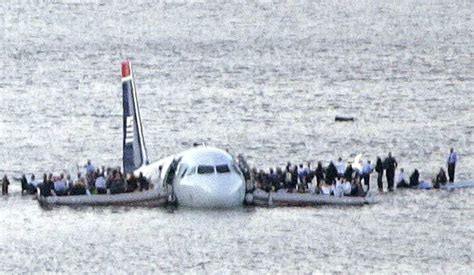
{"x": 201, "y": 176}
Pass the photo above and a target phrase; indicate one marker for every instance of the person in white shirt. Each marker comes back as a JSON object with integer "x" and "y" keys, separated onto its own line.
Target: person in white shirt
{"x": 338, "y": 188}
{"x": 69, "y": 182}
{"x": 325, "y": 189}
{"x": 402, "y": 179}
{"x": 312, "y": 186}
{"x": 341, "y": 167}
{"x": 367, "y": 169}
{"x": 33, "y": 184}
{"x": 347, "y": 188}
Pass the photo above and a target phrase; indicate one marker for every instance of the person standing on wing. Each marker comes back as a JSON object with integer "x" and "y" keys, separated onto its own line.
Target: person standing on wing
{"x": 367, "y": 169}
{"x": 452, "y": 160}
{"x": 5, "y": 183}
{"x": 379, "y": 170}
{"x": 390, "y": 165}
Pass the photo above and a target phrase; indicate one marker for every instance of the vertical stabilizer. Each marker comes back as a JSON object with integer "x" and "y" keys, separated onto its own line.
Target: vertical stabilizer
{"x": 134, "y": 151}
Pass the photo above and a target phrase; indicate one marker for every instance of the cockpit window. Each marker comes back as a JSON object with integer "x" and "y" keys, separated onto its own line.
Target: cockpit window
{"x": 205, "y": 169}
{"x": 224, "y": 168}
{"x": 184, "y": 173}
{"x": 182, "y": 168}
{"x": 191, "y": 171}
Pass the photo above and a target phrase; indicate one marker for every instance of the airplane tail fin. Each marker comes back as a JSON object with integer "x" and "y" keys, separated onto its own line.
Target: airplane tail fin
{"x": 134, "y": 151}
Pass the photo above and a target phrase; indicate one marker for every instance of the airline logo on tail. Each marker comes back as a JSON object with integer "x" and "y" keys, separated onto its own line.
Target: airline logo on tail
{"x": 129, "y": 130}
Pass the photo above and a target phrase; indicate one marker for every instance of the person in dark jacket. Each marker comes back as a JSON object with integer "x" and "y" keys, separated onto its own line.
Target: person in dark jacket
{"x": 288, "y": 167}
{"x": 319, "y": 174}
{"x": 258, "y": 178}
{"x": 272, "y": 179}
{"x": 47, "y": 185}
{"x": 132, "y": 183}
{"x": 354, "y": 189}
{"x": 117, "y": 184}
{"x": 266, "y": 181}
{"x": 402, "y": 182}
{"x": 78, "y": 188}
{"x": 379, "y": 170}
{"x": 331, "y": 173}
{"x": 348, "y": 173}
{"x": 24, "y": 184}
{"x": 143, "y": 182}
{"x": 281, "y": 178}
{"x": 172, "y": 172}
{"x": 5, "y": 184}
{"x": 441, "y": 179}
{"x": 390, "y": 164}
{"x": 294, "y": 179}
{"x": 310, "y": 176}
{"x": 278, "y": 179}
{"x": 415, "y": 179}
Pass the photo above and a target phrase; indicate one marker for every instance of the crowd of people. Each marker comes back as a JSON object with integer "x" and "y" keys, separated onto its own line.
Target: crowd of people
{"x": 338, "y": 178}
{"x": 342, "y": 179}
{"x": 94, "y": 181}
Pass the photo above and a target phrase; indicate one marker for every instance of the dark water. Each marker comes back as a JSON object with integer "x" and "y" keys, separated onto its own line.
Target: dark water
{"x": 265, "y": 79}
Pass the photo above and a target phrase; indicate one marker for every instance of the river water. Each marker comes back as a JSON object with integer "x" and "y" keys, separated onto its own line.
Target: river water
{"x": 264, "y": 79}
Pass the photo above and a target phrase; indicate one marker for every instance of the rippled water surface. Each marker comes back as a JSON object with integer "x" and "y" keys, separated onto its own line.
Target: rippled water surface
{"x": 265, "y": 79}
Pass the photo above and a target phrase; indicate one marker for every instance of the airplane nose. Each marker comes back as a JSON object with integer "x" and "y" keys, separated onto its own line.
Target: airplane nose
{"x": 211, "y": 192}
{"x": 225, "y": 192}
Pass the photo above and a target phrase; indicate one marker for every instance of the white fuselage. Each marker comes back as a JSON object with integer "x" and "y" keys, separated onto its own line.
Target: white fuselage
{"x": 204, "y": 177}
